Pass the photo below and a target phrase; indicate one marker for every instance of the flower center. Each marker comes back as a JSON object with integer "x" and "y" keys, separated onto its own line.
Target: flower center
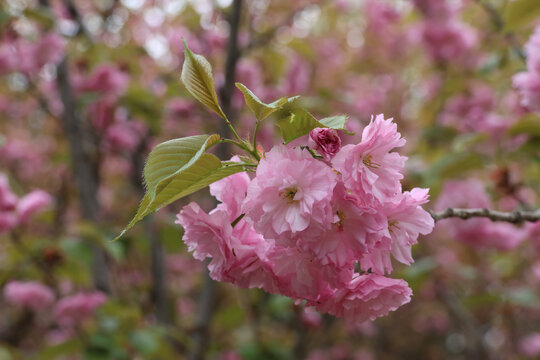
{"x": 368, "y": 161}
{"x": 341, "y": 216}
{"x": 289, "y": 194}
{"x": 392, "y": 224}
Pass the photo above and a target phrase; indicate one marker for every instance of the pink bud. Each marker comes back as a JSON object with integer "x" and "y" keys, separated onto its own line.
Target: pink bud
{"x": 327, "y": 142}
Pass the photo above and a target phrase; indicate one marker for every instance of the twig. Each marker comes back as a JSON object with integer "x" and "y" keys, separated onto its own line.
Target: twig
{"x": 498, "y": 22}
{"x": 159, "y": 294}
{"x": 514, "y": 217}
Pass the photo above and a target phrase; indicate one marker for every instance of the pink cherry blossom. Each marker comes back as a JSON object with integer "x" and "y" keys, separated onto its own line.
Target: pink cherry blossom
{"x": 447, "y": 41}
{"x": 290, "y": 192}
{"x": 32, "y": 203}
{"x": 31, "y": 294}
{"x": 370, "y": 169}
{"x": 367, "y": 297}
{"x": 326, "y": 141}
{"x": 76, "y": 308}
{"x": 530, "y": 345}
{"x": 355, "y": 229}
{"x": 106, "y": 79}
{"x": 238, "y": 255}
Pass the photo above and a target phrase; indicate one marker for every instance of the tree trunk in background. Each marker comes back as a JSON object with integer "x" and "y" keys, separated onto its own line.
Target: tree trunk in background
{"x": 207, "y": 296}
{"x": 85, "y": 170}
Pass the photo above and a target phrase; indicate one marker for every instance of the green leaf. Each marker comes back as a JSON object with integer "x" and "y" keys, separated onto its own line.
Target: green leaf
{"x": 172, "y": 156}
{"x": 198, "y": 80}
{"x": 529, "y": 124}
{"x": 336, "y": 122}
{"x": 299, "y": 122}
{"x": 519, "y": 13}
{"x": 177, "y": 168}
{"x": 260, "y": 109}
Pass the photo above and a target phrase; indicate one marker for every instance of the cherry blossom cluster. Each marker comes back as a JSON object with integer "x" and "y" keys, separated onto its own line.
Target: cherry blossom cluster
{"x": 68, "y": 312}
{"x": 21, "y": 55}
{"x": 317, "y": 224}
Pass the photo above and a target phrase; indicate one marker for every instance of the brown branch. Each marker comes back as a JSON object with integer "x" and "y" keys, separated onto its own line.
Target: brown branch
{"x": 514, "y": 217}
{"x": 207, "y": 297}
{"x": 85, "y": 169}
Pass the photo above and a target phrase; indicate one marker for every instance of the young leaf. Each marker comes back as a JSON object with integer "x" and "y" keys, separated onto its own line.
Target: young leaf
{"x": 260, "y": 109}
{"x": 198, "y": 80}
{"x": 299, "y": 122}
{"x": 178, "y": 168}
{"x": 519, "y": 13}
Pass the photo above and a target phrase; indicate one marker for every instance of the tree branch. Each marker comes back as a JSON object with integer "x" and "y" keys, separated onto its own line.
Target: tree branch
{"x": 514, "y": 217}
{"x": 85, "y": 169}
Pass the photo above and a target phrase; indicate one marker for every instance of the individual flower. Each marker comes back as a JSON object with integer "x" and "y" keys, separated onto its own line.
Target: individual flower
{"x": 32, "y": 203}
{"x": 355, "y": 230}
{"x": 290, "y": 192}
{"x": 530, "y": 345}
{"x": 528, "y": 82}
{"x": 370, "y": 169}
{"x": 326, "y": 141}
{"x": 31, "y": 294}
{"x": 238, "y": 254}
{"x": 406, "y": 221}
{"x": 76, "y": 308}
{"x": 106, "y": 79}
{"x": 447, "y": 40}
{"x": 367, "y": 297}
{"x": 8, "y": 203}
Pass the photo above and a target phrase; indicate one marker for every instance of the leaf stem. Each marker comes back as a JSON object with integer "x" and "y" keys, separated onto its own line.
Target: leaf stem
{"x": 255, "y": 134}
{"x": 244, "y": 146}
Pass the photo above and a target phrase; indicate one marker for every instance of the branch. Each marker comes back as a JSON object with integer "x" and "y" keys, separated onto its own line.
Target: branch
{"x": 514, "y": 217}
{"x": 85, "y": 169}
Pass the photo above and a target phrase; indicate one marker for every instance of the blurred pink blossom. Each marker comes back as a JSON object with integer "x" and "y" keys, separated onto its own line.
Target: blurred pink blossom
{"x": 31, "y": 294}
{"x": 530, "y": 345}
{"x": 76, "y": 308}
{"x": 32, "y": 203}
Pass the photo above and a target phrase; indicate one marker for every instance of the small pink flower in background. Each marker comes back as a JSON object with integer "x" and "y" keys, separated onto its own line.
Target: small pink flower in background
{"x": 106, "y": 79}
{"x": 530, "y": 345}
{"x": 31, "y": 294}
{"x": 8, "y": 203}
{"x": 367, "y": 297}
{"x": 326, "y": 141}
{"x": 447, "y": 41}
{"x": 528, "y": 82}
{"x": 32, "y": 203}
{"x": 311, "y": 317}
{"x": 76, "y": 308}
{"x": 125, "y": 135}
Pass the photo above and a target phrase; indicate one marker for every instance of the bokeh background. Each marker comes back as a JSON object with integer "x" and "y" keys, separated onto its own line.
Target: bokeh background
{"x": 87, "y": 88}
